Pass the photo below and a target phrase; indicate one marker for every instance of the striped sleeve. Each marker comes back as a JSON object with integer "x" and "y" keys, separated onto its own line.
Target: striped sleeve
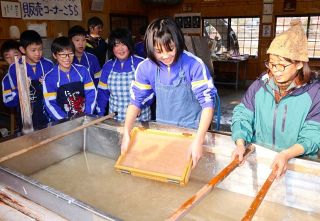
{"x": 103, "y": 90}
{"x": 9, "y": 92}
{"x": 201, "y": 82}
{"x": 141, "y": 92}
{"x": 50, "y": 98}
{"x": 90, "y": 92}
{"x": 95, "y": 69}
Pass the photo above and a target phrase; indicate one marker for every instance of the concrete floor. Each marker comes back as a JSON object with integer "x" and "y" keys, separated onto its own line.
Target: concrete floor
{"x": 229, "y": 98}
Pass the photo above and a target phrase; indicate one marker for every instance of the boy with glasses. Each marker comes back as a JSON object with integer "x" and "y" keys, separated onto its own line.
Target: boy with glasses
{"x": 37, "y": 67}
{"x": 68, "y": 88}
{"x": 77, "y": 35}
{"x": 281, "y": 109}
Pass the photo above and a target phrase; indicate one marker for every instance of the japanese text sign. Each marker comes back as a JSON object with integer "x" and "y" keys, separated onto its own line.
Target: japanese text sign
{"x": 51, "y": 9}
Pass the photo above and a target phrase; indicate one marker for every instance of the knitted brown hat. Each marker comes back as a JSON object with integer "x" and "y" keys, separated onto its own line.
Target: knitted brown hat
{"x": 292, "y": 43}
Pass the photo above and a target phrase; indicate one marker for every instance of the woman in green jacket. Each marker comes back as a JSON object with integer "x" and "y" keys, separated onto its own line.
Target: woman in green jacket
{"x": 281, "y": 109}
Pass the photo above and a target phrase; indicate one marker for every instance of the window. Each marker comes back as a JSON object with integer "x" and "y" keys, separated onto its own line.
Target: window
{"x": 236, "y": 35}
{"x": 311, "y": 24}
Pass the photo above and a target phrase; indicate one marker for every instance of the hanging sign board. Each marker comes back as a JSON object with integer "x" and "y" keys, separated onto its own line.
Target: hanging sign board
{"x": 51, "y": 9}
{"x": 10, "y": 9}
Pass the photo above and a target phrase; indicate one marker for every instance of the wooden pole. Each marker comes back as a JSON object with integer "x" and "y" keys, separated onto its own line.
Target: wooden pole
{"x": 260, "y": 196}
{"x": 56, "y": 137}
{"x": 12, "y": 121}
{"x": 23, "y": 85}
{"x": 206, "y": 189}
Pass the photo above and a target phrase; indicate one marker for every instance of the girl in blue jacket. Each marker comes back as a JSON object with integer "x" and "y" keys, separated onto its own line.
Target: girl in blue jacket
{"x": 180, "y": 81}
{"x": 281, "y": 110}
{"x": 117, "y": 76}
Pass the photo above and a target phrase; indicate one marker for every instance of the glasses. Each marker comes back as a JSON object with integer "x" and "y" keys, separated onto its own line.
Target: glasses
{"x": 279, "y": 67}
{"x": 66, "y": 55}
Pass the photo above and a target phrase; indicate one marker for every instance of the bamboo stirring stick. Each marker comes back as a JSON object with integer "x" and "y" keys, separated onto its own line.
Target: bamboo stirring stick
{"x": 206, "y": 189}
{"x": 260, "y": 196}
{"x": 85, "y": 144}
{"x": 24, "y": 95}
{"x": 17, "y": 153}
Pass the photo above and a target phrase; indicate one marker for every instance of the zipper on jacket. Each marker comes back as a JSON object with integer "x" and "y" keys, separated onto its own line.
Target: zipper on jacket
{"x": 284, "y": 118}
{"x": 274, "y": 127}
{"x": 169, "y": 71}
{"x": 68, "y": 76}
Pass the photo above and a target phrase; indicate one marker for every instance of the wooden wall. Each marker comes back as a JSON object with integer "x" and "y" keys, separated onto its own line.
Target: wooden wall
{"x": 212, "y": 8}
{"x": 55, "y": 27}
{"x": 222, "y": 8}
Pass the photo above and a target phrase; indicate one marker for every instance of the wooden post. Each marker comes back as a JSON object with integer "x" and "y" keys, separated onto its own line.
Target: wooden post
{"x": 206, "y": 189}
{"x": 260, "y": 196}
{"x": 24, "y": 95}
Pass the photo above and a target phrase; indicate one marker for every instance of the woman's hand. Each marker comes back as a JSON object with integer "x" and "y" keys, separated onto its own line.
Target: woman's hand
{"x": 280, "y": 161}
{"x": 125, "y": 143}
{"x": 239, "y": 151}
{"x": 282, "y": 158}
{"x": 196, "y": 152}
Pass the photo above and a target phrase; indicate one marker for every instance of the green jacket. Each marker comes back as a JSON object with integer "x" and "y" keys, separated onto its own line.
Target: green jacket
{"x": 294, "y": 120}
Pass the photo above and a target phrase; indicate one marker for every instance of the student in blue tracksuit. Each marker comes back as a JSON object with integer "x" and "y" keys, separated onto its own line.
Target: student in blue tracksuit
{"x": 37, "y": 67}
{"x": 77, "y": 35}
{"x": 10, "y": 49}
{"x": 281, "y": 109}
{"x": 139, "y": 46}
{"x": 180, "y": 81}
{"x": 68, "y": 88}
{"x": 95, "y": 43}
{"x": 117, "y": 76}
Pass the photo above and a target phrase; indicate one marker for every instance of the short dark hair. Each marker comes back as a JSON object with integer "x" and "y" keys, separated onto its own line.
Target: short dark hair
{"x": 76, "y": 30}
{"x": 142, "y": 30}
{"x": 29, "y": 37}
{"x": 8, "y": 45}
{"x": 120, "y": 35}
{"x": 61, "y": 43}
{"x": 164, "y": 31}
{"x": 94, "y": 21}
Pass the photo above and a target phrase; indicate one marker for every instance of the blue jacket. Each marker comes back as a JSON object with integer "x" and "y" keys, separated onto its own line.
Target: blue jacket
{"x": 9, "y": 82}
{"x": 91, "y": 62}
{"x": 103, "y": 89}
{"x": 295, "y": 119}
{"x": 196, "y": 73}
{"x": 53, "y": 81}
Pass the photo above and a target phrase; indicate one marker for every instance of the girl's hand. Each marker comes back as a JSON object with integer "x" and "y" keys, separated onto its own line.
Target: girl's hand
{"x": 28, "y": 81}
{"x": 41, "y": 79}
{"x": 196, "y": 152}
{"x": 125, "y": 143}
{"x": 238, "y": 152}
{"x": 280, "y": 161}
